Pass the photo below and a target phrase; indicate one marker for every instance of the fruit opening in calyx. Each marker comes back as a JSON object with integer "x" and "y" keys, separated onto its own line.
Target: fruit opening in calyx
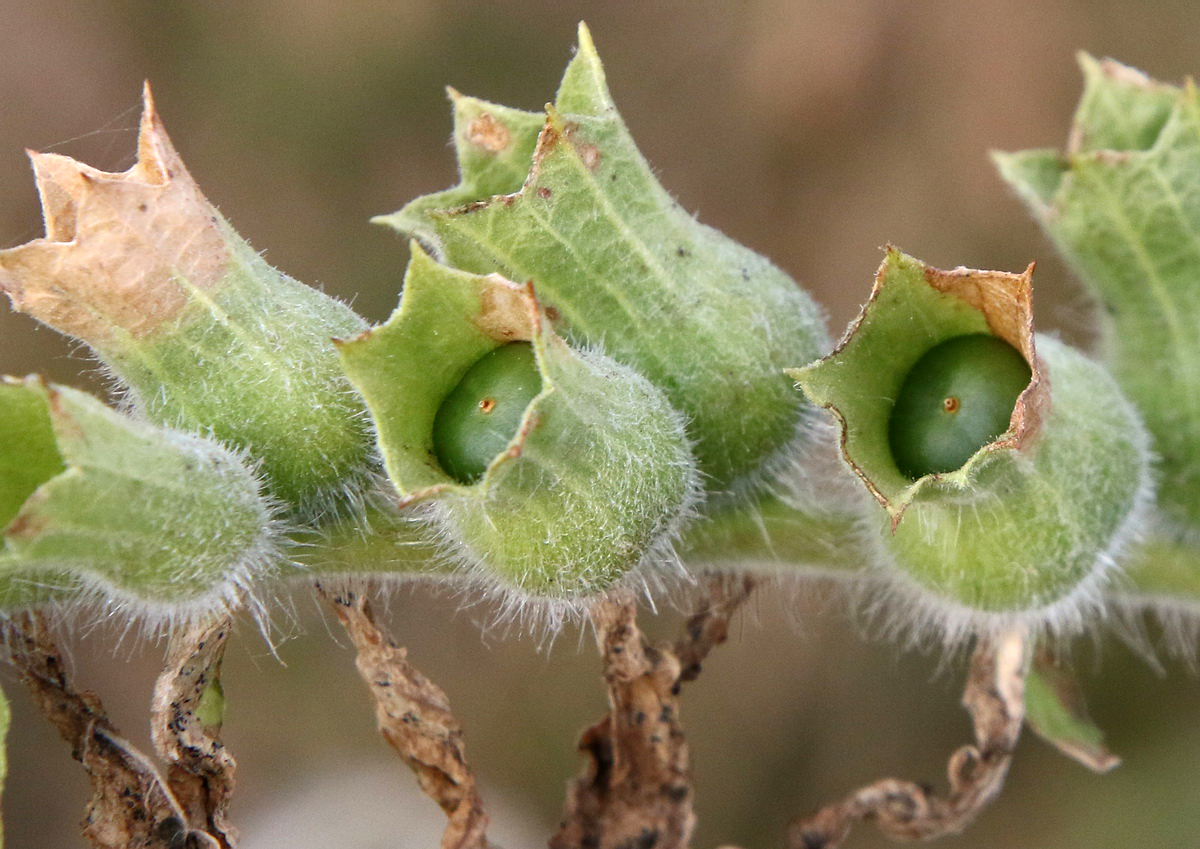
{"x": 958, "y": 397}
{"x": 480, "y": 416}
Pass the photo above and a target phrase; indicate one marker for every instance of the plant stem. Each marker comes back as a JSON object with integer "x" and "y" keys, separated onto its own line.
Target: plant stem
{"x": 131, "y": 805}
{"x": 200, "y": 770}
{"x": 995, "y": 698}
{"x": 635, "y": 789}
{"x": 414, "y": 716}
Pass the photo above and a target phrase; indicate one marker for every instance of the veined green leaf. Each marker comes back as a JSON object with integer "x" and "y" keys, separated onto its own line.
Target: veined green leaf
{"x": 1122, "y": 204}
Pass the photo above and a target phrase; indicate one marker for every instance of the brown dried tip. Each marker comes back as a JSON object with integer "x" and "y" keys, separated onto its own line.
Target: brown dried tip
{"x": 1006, "y": 301}
{"x": 122, "y": 251}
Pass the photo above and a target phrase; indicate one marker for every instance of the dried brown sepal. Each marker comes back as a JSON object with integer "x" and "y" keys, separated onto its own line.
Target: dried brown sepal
{"x": 131, "y": 805}
{"x": 995, "y": 698}
{"x": 200, "y": 770}
{"x": 414, "y": 716}
{"x": 122, "y": 251}
{"x": 635, "y": 789}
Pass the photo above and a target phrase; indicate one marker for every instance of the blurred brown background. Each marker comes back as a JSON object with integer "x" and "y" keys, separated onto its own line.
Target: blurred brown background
{"x": 813, "y": 131}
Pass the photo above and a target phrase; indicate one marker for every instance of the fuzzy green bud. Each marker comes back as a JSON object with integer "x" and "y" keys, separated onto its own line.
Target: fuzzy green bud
{"x": 156, "y": 520}
{"x": 586, "y": 481}
{"x": 201, "y": 333}
{"x": 620, "y": 266}
{"x": 1027, "y": 525}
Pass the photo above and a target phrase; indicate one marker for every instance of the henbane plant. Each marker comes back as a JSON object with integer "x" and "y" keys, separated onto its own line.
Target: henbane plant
{"x": 620, "y": 266}
{"x": 584, "y": 392}
{"x": 688, "y": 326}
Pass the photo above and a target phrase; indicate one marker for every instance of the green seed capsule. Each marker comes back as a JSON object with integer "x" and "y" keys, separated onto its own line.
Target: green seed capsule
{"x": 957, "y": 398}
{"x": 481, "y": 415}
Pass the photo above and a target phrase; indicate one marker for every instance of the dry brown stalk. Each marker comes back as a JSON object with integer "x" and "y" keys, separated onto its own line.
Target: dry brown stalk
{"x": 635, "y": 790}
{"x": 199, "y": 769}
{"x": 995, "y": 697}
{"x": 414, "y": 716}
{"x": 708, "y": 627}
{"x": 131, "y": 805}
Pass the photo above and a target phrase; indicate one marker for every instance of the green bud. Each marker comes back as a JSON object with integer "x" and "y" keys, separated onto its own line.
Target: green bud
{"x": 201, "y": 333}
{"x": 111, "y": 508}
{"x": 210, "y": 709}
{"x": 587, "y": 480}
{"x": 620, "y": 266}
{"x": 1027, "y": 525}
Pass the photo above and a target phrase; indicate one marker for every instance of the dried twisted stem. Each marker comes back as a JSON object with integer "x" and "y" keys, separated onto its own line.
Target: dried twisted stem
{"x": 200, "y": 770}
{"x": 635, "y": 790}
{"x": 708, "y": 627}
{"x": 131, "y": 805}
{"x": 414, "y": 716}
{"x": 995, "y": 697}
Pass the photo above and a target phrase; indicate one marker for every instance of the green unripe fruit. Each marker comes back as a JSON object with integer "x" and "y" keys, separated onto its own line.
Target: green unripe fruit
{"x": 957, "y": 398}
{"x": 481, "y": 415}
{"x": 1012, "y": 502}
{"x": 538, "y": 468}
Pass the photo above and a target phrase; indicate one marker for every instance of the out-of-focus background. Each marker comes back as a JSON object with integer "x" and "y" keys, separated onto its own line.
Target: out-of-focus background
{"x": 815, "y": 131}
